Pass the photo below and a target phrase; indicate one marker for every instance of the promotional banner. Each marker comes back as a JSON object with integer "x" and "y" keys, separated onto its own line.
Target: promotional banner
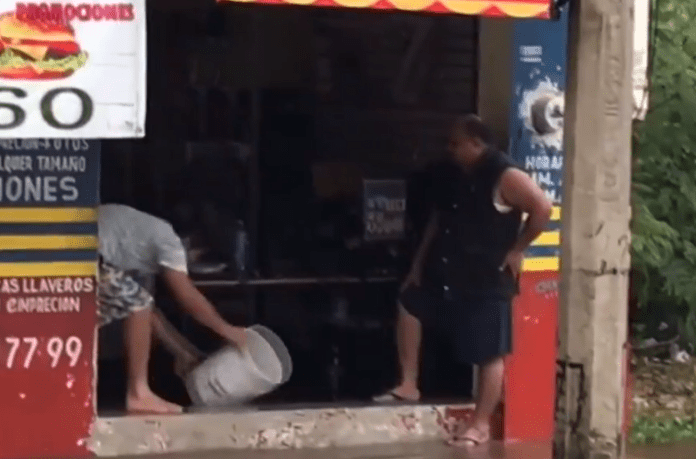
{"x": 72, "y": 69}
{"x": 49, "y": 192}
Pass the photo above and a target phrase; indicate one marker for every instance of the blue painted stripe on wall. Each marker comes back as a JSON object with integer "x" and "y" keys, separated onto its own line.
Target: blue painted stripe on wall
{"x": 48, "y": 228}
{"x": 47, "y": 256}
{"x": 553, "y": 226}
{"x": 541, "y": 251}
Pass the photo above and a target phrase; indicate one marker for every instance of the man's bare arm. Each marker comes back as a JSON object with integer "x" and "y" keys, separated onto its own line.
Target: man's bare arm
{"x": 521, "y": 192}
{"x": 173, "y": 341}
{"x": 192, "y": 300}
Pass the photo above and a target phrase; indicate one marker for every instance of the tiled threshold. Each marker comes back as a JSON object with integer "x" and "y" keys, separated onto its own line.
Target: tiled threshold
{"x": 254, "y": 429}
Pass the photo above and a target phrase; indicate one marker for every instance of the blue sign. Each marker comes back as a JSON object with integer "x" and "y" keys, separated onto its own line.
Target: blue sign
{"x": 49, "y": 193}
{"x": 538, "y": 106}
{"x": 49, "y": 172}
{"x": 539, "y": 82}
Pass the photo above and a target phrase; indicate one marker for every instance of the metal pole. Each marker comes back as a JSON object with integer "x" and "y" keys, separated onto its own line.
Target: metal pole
{"x": 596, "y": 238}
{"x": 254, "y": 173}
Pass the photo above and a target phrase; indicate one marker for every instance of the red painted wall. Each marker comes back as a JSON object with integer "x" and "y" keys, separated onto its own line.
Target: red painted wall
{"x": 46, "y": 372}
{"x": 530, "y": 384}
{"x": 47, "y": 411}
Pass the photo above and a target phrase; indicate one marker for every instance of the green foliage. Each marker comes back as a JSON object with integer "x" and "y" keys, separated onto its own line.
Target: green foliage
{"x": 648, "y": 430}
{"x": 664, "y": 194}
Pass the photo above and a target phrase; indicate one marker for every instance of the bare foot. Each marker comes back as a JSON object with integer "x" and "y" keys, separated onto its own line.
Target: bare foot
{"x": 149, "y": 403}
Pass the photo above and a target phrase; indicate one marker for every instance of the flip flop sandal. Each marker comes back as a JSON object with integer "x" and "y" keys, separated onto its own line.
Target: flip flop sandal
{"x": 468, "y": 440}
{"x": 151, "y": 413}
{"x": 464, "y": 442}
{"x": 391, "y": 397}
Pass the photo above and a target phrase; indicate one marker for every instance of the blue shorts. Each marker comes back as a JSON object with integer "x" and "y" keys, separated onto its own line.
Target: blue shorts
{"x": 480, "y": 329}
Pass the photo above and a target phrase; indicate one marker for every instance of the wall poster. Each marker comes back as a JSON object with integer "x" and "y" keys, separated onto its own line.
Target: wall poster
{"x": 72, "y": 69}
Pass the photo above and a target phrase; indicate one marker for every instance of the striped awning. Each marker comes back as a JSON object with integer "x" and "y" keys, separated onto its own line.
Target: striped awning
{"x": 492, "y": 8}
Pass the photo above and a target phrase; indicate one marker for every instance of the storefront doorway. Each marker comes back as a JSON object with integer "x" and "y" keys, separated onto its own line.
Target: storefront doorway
{"x": 273, "y": 119}
{"x": 271, "y": 125}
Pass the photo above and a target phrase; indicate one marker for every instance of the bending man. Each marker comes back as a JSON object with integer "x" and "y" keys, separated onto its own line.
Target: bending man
{"x": 134, "y": 247}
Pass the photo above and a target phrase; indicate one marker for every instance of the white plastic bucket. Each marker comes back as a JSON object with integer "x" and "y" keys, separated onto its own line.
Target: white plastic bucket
{"x": 230, "y": 377}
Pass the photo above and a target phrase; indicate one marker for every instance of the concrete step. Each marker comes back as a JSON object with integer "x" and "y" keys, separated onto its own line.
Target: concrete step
{"x": 320, "y": 427}
{"x": 414, "y": 450}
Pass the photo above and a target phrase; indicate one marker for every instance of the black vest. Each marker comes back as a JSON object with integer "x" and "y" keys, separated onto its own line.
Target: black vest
{"x": 473, "y": 235}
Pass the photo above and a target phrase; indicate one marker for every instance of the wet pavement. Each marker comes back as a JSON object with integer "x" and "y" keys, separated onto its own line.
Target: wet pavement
{"x": 687, "y": 451}
{"x": 431, "y": 450}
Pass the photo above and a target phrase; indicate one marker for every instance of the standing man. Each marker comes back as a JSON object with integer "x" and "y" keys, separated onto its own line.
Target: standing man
{"x": 134, "y": 247}
{"x": 465, "y": 272}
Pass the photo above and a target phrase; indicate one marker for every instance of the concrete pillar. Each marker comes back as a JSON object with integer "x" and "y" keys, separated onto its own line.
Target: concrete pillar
{"x": 596, "y": 237}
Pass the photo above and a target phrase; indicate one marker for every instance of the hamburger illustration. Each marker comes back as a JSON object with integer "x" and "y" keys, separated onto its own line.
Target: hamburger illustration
{"x": 37, "y": 50}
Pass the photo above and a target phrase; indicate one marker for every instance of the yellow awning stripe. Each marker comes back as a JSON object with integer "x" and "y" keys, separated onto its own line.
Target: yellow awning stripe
{"x": 519, "y": 9}
{"x": 58, "y": 269}
{"x": 48, "y": 242}
{"x": 48, "y": 215}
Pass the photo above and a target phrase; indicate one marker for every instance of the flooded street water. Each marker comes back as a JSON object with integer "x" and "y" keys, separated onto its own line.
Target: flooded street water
{"x": 664, "y": 452}
{"x": 431, "y": 450}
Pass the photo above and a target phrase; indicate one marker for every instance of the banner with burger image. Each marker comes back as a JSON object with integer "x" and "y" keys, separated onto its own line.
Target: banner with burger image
{"x": 72, "y": 70}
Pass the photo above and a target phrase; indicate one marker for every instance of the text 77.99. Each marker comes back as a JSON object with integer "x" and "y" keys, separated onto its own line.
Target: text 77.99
{"x": 23, "y": 352}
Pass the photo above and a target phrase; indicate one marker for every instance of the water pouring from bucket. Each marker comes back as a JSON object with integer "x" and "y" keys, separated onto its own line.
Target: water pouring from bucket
{"x": 232, "y": 377}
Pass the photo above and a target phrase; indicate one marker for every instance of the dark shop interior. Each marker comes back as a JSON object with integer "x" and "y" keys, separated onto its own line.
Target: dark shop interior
{"x": 268, "y": 128}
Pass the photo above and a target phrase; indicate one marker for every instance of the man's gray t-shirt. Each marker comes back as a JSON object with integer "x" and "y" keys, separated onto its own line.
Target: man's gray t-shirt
{"x": 138, "y": 242}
